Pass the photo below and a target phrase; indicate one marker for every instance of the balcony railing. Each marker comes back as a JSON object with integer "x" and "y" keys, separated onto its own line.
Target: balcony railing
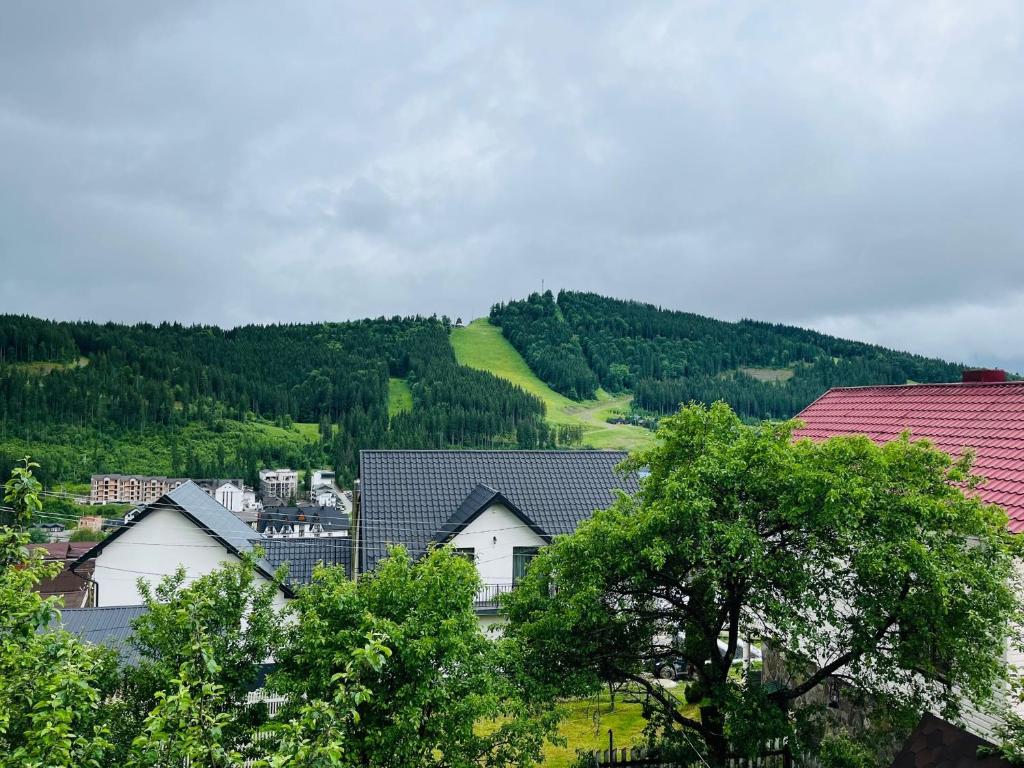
{"x": 488, "y": 594}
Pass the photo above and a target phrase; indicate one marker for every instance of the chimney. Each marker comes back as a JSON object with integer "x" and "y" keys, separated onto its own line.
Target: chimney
{"x": 983, "y": 375}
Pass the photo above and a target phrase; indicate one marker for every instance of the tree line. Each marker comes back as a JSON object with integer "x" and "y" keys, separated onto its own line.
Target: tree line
{"x": 579, "y": 341}
{"x": 151, "y": 383}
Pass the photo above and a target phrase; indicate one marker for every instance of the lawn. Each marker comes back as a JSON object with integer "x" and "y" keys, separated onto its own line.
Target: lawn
{"x": 481, "y": 345}
{"x": 399, "y": 396}
{"x": 586, "y": 727}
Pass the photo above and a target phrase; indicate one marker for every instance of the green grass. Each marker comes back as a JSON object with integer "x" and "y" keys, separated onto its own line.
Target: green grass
{"x": 399, "y": 396}
{"x": 307, "y": 429}
{"x": 41, "y": 368}
{"x": 769, "y": 374}
{"x": 481, "y": 345}
{"x": 586, "y": 726}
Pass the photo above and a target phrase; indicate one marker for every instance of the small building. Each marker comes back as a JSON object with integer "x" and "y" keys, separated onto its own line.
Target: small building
{"x": 91, "y": 522}
{"x": 72, "y": 587}
{"x": 497, "y": 508}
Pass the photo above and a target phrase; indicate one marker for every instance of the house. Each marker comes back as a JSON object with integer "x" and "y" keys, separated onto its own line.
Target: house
{"x": 91, "y": 522}
{"x": 983, "y": 413}
{"x": 302, "y": 521}
{"x": 324, "y": 491}
{"x": 188, "y": 528}
{"x": 71, "y": 587}
{"x": 495, "y": 507}
{"x": 51, "y": 527}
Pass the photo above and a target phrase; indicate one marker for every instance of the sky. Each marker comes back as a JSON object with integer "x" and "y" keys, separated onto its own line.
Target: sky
{"x": 852, "y": 167}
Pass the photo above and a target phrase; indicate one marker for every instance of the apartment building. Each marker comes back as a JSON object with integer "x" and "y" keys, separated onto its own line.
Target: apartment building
{"x": 282, "y": 483}
{"x": 131, "y": 489}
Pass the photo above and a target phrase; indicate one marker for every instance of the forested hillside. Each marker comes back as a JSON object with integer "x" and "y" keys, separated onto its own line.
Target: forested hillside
{"x": 580, "y": 341}
{"x": 202, "y": 401}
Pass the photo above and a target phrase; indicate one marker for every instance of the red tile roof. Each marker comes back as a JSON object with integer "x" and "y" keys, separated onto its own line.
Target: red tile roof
{"x": 988, "y": 418}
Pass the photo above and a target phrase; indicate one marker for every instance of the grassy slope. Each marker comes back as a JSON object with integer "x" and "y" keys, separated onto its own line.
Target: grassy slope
{"x": 399, "y": 396}
{"x": 481, "y": 345}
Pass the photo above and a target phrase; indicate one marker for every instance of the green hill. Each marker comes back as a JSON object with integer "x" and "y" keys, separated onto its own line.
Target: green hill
{"x": 581, "y": 343}
{"x": 481, "y": 345}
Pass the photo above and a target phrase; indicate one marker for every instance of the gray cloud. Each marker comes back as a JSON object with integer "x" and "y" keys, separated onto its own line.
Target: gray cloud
{"x": 853, "y": 167}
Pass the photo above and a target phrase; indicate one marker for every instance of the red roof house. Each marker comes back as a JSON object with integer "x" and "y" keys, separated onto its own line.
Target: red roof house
{"x": 71, "y": 586}
{"x": 984, "y": 413}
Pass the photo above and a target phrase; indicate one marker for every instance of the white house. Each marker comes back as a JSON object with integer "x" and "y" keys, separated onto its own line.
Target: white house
{"x": 495, "y": 507}
{"x": 187, "y": 528}
{"x": 230, "y": 496}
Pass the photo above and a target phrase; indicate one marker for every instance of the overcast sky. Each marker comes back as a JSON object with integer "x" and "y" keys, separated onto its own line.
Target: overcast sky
{"x": 856, "y": 168}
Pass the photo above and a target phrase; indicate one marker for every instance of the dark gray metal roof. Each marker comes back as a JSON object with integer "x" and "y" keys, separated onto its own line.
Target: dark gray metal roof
{"x": 110, "y": 627}
{"x": 302, "y": 555}
{"x": 407, "y": 497}
{"x": 210, "y": 514}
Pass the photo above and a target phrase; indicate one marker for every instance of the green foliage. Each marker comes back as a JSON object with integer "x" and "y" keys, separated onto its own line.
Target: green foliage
{"x": 201, "y": 645}
{"x": 50, "y": 684}
{"x": 162, "y": 399}
{"x": 855, "y": 561}
{"x": 189, "y": 723}
{"x": 87, "y": 534}
{"x": 38, "y": 536}
{"x": 442, "y": 677}
{"x": 22, "y": 493}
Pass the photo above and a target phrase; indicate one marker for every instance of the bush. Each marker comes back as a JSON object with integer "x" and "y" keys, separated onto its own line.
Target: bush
{"x": 86, "y": 534}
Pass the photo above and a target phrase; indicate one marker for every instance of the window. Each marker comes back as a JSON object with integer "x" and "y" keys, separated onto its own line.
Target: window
{"x": 467, "y": 552}
{"x": 521, "y": 557}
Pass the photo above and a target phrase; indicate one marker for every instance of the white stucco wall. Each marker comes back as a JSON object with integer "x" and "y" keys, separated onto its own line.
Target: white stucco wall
{"x": 154, "y": 548}
{"x": 229, "y": 496}
{"x": 492, "y": 535}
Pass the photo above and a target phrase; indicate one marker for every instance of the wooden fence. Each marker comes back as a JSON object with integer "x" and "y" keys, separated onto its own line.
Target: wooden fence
{"x": 775, "y": 755}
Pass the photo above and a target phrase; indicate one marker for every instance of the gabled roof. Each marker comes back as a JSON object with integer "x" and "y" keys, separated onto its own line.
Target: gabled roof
{"x": 110, "y": 627}
{"x": 481, "y": 498}
{"x": 302, "y": 555}
{"x": 985, "y": 417}
{"x": 206, "y": 513}
{"x": 409, "y": 497}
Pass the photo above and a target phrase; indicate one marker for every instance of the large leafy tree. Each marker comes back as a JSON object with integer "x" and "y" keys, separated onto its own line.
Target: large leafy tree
{"x": 202, "y": 644}
{"x": 447, "y": 695}
{"x": 866, "y": 564}
{"x": 50, "y": 684}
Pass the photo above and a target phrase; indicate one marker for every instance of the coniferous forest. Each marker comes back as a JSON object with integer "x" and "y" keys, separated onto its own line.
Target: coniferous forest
{"x": 579, "y": 341}
{"x": 202, "y": 401}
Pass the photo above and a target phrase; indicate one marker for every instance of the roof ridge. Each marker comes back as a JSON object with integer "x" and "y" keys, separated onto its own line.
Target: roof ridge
{"x": 920, "y": 385}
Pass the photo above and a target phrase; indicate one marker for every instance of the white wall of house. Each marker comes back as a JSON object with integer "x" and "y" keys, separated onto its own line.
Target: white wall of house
{"x": 492, "y": 536}
{"x": 230, "y": 497}
{"x": 153, "y": 548}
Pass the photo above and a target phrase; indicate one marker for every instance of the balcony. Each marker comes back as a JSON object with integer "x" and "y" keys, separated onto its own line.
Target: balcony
{"x": 487, "y": 597}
